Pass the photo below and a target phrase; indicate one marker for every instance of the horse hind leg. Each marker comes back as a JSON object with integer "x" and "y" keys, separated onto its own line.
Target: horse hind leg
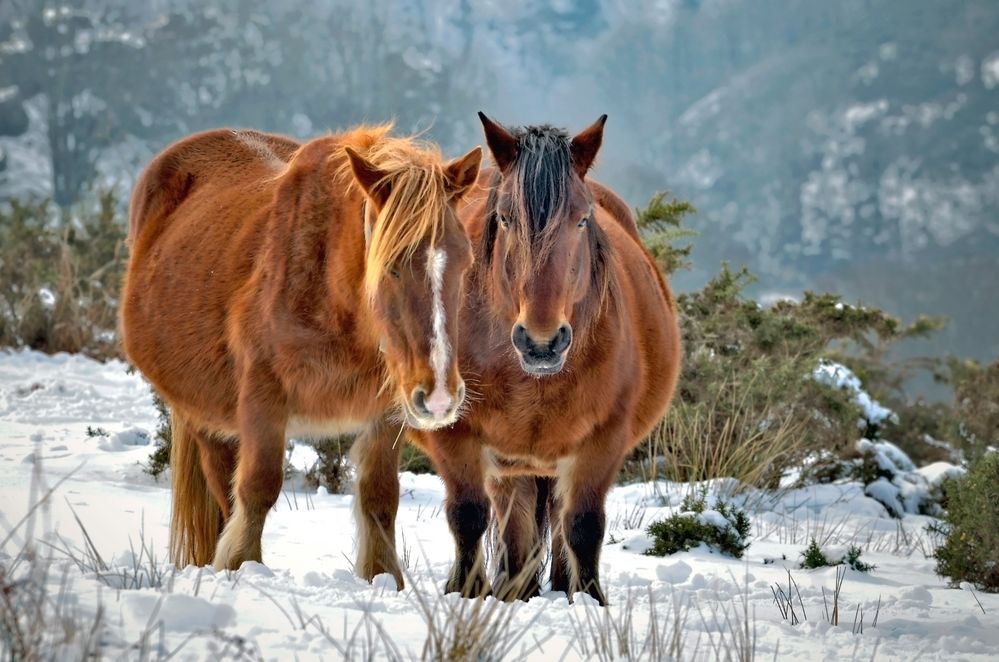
{"x": 375, "y": 453}
{"x": 218, "y": 464}
{"x": 518, "y": 546}
{"x": 259, "y": 469}
{"x": 549, "y": 517}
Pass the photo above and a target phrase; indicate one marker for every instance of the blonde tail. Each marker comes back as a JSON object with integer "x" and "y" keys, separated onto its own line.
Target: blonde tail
{"x": 196, "y": 518}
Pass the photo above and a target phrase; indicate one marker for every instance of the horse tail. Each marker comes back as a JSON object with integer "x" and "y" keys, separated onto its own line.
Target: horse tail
{"x": 196, "y": 518}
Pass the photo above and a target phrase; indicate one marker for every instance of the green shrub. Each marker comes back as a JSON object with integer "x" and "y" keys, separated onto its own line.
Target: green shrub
{"x": 159, "y": 459}
{"x": 813, "y": 557}
{"x": 332, "y": 468}
{"x": 687, "y": 529}
{"x": 852, "y": 559}
{"x": 60, "y": 277}
{"x": 748, "y": 404}
{"x": 970, "y": 551}
{"x": 963, "y": 427}
{"x": 975, "y": 424}
{"x": 415, "y": 460}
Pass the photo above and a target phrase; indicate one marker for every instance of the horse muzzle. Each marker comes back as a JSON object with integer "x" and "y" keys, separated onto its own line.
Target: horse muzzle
{"x": 436, "y": 410}
{"x": 544, "y": 357}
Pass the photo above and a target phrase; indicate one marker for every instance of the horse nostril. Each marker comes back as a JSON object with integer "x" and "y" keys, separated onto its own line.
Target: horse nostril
{"x": 461, "y": 393}
{"x": 420, "y": 400}
{"x": 562, "y": 339}
{"x": 520, "y": 338}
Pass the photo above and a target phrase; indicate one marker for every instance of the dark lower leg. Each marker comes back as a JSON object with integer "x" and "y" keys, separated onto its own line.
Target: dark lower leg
{"x": 588, "y": 478}
{"x": 560, "y": 561}
{"x": 584, "y": 533}
{"x": 468, "y": 516}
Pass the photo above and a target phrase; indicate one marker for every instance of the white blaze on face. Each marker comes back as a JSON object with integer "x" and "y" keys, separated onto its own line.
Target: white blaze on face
{"x": 439, "y": 401}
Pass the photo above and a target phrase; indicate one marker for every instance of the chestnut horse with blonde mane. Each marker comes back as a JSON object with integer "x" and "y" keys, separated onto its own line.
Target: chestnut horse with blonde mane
{"x": 277, "y": 288}
{"x": 570, "y": 333}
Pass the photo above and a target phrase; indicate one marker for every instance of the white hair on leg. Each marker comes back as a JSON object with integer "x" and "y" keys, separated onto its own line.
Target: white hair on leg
{"x": 233, "y": 539}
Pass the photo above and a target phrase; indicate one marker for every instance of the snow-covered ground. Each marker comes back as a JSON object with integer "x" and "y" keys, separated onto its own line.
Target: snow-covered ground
{"x": 306, "y": 603}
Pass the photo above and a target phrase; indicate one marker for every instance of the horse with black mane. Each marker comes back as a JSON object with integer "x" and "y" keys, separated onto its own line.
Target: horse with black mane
{"x": 571, "y": 349}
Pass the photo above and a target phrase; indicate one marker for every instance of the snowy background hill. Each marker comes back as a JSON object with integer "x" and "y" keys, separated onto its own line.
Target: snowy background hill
{"x": 851, "y": 146}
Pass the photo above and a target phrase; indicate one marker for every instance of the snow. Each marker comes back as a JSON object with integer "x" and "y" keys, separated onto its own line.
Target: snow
{"x": 838, "y": 375}
{"x": 901, "y": 487}
{"x": 305, "y": 603}
{"x": 713, "y": 518}
{"x": 937, "y": 472}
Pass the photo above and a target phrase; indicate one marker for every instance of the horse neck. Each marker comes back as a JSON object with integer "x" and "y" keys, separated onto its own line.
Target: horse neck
{"x": 324, "y": 276}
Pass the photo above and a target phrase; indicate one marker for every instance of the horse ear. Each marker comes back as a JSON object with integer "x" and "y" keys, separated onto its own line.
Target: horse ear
{"x": 461, "y": 173}
{"x": 586, "y": 145}
{"x": 368, "y": 176}
{"x": 502, "y": 143}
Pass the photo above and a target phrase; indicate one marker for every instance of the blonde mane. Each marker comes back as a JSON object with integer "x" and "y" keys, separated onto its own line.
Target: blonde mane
{"x": 414, "y": 210}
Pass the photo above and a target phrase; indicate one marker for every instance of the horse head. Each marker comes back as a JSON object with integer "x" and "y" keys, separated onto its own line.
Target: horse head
{"x": 417, "y": 256}
{"x": 544, "y": 252}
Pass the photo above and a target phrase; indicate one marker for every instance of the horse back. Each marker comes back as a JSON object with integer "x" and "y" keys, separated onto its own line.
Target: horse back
{"x": 615, "y": 206}
{"x": 218, "y": 155}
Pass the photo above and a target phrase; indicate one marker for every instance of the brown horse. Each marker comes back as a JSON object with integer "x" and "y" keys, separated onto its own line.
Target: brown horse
{"x": 280, "y": 289}
{"x": 570, "y": 342}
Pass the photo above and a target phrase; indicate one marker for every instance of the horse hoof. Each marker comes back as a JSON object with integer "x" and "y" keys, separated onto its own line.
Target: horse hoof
{"x": 511, "y": 591}
{"x": 468, "y": 588}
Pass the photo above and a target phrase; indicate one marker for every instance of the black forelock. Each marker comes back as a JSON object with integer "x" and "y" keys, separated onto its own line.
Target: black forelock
{"x": 541, "y": 174}
{"x": 542, "y": 171}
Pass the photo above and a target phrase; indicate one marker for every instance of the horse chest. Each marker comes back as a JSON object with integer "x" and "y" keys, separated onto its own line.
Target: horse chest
{"x": 535, "y": 429}
{"x": 331, "y": 392}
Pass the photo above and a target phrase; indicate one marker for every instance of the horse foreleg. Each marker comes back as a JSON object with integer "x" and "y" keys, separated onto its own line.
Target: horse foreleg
{"x": 259, "y": 471}
{"x": 518, "y": 544}
{"x": 584, "y": 481}
{"x": 375, "y": 453}
{"x": 458, "y": 460}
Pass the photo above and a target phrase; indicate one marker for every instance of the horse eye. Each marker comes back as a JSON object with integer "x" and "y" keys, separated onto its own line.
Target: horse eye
{"x": 394, "y": 273}
{"x": 503, "y": 221}
{"x": 583, "y": 223}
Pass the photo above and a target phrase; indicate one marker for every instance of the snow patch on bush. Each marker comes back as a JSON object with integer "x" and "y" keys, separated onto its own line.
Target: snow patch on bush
{"x": 711, "y": 518}
{"x": 125, "y": 440}
{"x": 900, "y": 486}
{"x": 839, "y": 376}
